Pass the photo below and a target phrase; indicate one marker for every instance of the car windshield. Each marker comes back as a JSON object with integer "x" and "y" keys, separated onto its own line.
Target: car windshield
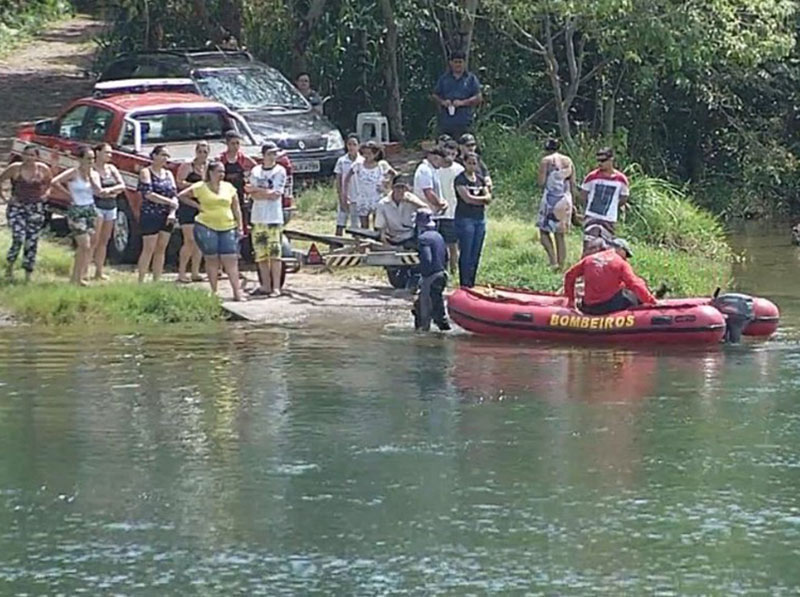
{"x": 248, "y": 88}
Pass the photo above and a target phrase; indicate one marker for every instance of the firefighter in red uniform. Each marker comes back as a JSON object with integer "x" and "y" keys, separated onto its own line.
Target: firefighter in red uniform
{"x": 609, "y": 282}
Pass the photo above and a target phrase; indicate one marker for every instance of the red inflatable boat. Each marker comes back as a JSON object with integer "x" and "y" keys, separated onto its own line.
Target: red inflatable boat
{"x": 515, "y": 313}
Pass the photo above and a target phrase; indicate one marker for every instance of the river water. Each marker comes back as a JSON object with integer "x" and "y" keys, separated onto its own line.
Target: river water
{"x": 355, "y": 459}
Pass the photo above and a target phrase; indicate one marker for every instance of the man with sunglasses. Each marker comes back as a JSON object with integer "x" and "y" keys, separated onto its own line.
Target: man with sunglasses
{"x": 603, "y": 192}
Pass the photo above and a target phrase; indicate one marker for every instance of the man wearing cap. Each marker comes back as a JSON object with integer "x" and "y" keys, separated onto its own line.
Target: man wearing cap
{"x": 266, "y": 187}
{"x": 609, "y": 282}
{"x": 457, "y": 92}
{"x": 432, "y": 263}
{"x": 394, "y": 216}
{"x": 603, "y": 192}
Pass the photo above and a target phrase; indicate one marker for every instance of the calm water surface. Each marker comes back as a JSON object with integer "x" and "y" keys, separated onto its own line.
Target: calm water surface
{"x": 354, "y": 460}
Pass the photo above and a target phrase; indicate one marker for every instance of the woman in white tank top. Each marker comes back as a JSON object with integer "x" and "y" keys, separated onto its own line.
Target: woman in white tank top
{"x": 81, "y": 184}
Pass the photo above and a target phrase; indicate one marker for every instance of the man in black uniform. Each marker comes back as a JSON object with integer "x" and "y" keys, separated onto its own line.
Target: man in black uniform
{"x": 432, "y": 263}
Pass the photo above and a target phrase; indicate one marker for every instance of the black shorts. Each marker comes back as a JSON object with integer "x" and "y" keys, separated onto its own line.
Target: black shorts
{"x": 447, "y": 228}
{"x": 624, "y": 299}
{"x": 154, "y": 222}
{"x": 186, "y": 214}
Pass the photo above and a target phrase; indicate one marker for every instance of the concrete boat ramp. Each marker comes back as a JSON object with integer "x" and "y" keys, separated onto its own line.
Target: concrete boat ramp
{"x": 307, "y": 295}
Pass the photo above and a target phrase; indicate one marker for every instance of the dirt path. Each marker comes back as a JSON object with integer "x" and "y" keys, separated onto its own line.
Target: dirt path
{"x": 40, "y": 77}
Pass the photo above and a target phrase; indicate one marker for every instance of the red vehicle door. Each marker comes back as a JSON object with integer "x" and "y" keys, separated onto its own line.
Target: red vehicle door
{"x": 83, "y": 123}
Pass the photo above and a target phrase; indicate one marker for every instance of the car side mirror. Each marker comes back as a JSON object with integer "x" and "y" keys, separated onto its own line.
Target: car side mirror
{"x": 45, "y": 128}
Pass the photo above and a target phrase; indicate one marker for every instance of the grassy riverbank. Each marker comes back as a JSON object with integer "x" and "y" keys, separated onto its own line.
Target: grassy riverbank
{"x": 49, "y": 299}
{"x": 512, "y": 256}
{"x": 675, "y": 241}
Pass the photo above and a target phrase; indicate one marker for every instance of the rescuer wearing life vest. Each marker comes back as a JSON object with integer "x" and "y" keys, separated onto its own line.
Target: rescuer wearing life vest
{"x": 609, "y": 282}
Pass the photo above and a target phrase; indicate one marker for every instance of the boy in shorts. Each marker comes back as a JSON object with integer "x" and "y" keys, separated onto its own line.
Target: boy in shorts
{"x": 266, "y": 187}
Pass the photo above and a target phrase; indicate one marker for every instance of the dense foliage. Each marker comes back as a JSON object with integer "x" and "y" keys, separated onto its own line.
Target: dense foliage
{"x": 700, "y": 92}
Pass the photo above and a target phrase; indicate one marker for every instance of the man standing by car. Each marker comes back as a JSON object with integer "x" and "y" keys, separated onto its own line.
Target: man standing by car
{"x": 236, "y": 163}
{"x": 266, "y": 187}
{"x": 457, "y": 92}
{"x": 303, "y": 84}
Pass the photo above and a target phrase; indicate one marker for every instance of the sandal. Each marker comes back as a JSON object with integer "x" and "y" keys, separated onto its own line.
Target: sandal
{"x": 258, "y": 291}
{"x": 183, "y": 281}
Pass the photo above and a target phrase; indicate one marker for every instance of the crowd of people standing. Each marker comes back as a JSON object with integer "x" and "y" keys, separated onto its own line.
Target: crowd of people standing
{"x": 216, "y": 201}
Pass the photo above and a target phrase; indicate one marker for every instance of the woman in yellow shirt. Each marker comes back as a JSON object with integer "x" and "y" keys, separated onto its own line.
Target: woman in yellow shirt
{"x": 218, "y": 225}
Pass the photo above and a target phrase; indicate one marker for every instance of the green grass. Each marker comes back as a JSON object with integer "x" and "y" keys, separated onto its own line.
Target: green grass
{"x": 19, "y": 25}
{"x": 53, "y": 260}
{"x": 49, "y": 299}
{"x": 318, "y": 201}
{"x": 512, "y": 256}
{"x": 59, "y": 303}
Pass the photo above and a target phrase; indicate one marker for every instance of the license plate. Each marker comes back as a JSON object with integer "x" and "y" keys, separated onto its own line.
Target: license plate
{"x": 305, "y": 165}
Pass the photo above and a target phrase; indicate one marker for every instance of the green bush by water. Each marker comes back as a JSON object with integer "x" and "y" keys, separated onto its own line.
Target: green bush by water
{"x": 659, "y": 214}
{"x": 50, "y": 299}
{"x": 60, "y": 303}
{"x": 512, "y": 256}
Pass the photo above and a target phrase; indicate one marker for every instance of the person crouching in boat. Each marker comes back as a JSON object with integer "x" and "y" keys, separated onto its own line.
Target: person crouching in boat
{"x": 432, "y": 267}
{"x": 609, "y": 282}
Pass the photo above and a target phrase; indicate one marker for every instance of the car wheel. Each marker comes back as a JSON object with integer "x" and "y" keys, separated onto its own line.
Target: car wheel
{"x": 398, "y": 276}
{"x": 126, "y": 242}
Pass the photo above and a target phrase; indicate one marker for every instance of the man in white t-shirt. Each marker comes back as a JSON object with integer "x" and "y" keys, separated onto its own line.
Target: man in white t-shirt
{"x": 343, "y": 165}
{"x": 266, "y": 185}
{"x": 604, "y": 191}
{"x": 446, "y": 222}
{"x": 426, "y": 181}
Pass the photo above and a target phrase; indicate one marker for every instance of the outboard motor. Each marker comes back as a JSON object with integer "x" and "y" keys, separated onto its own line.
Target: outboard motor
{"x": 738, "y": 312}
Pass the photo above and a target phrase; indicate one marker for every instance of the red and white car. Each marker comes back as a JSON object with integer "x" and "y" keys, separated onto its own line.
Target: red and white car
{"x": 133, "y": 118}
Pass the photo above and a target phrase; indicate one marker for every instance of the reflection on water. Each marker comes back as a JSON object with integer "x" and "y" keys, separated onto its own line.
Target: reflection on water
{"x": 362, "y": 461}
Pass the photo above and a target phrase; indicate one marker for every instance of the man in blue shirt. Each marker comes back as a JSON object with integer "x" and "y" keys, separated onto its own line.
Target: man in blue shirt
{"x": 432, "y": 262}
{"x": 457, "y": 93}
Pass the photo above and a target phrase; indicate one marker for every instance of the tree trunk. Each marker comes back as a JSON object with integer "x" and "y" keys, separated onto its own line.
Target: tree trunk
{"x": 609, "y": 105}
{"x": 231, "y": 17}
{"x": 563, "y": 103}
{"x": 302, "y": 33}
{"x": 456, "y": 28}
{"x": 470, "y": 8}
{"x": 393, "y": 105}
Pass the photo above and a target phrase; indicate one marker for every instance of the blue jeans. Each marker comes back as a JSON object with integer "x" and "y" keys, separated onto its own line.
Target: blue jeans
{"x": 470, "y": 232}
{"x": 216, "y": 242}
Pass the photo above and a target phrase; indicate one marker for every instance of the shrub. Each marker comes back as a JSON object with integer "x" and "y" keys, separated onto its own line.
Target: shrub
{"x": 660, "y": 213}
{"x": 512, "y": 256}
{"x": 117, "y": 303}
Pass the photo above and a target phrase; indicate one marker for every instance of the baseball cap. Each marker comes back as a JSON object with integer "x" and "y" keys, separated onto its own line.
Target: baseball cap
{"x": 466, "y": 139}
{"x": 401, "y": 180}
{"x": 269, "y": 146}
{"x": 605, "y": 153}
{"x": 621, "y": 243}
